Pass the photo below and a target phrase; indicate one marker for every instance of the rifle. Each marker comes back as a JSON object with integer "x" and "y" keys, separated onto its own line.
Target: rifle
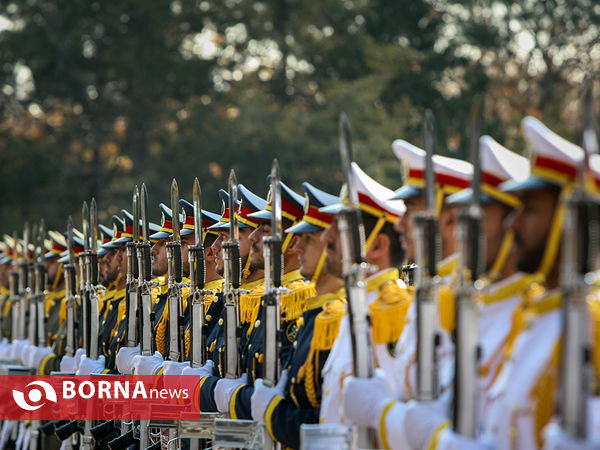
{"x": 427, "y": 247}
{"x": 23, "y": 286}
{"x": 41, "y": 280}
{"x": 144, "y": 289}
{"x": 579, "y": 248}
{"x": 132, "y": 276}
{"x": 14, "y": 291}
{"x": 232, "y": 275}
{"x": 71, "y": 294}
{"x": 352, "y": 238}
{"x": 469, "y": 286}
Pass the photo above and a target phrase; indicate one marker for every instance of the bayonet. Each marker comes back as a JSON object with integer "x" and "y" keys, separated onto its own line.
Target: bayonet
{"x": 14, "y": 291}
{"x": 24, "y": 283}
{"x": 133, "y": 274}
{"x": 145, "y": 278}
{"x": 175, "y": 275}
{"x": 273, "y": 259}
{"x": 85, "y": 275}
{"x": 93, "y": 281}
{"x": 32, "y": 319}
{"x": 232, "y": 272}
{"x": 71, "y": 292}
{"x": 197, "y": 280}
{"x": 470, "y": 241}
{"x": 40, "y": 289}
{"x": 427, "y": 253}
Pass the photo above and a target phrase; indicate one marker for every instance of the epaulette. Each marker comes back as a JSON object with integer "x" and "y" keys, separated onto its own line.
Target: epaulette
{"x": 294, "y": 303}
{"x": 6, "y": 311}
{"x": 327, "y": 322}
{"x": 389, "y": 312}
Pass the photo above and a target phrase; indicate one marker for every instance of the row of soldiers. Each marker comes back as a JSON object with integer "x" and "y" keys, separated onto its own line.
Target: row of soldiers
{"x": 311, "y": 323}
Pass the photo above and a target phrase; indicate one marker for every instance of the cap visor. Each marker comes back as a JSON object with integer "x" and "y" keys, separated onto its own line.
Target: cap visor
{"x": 262, "y": 215}
{"x": 159, "y": 235}
{"x": 530, "y": 184}
{"x": 122, "y": 240}
{"x": 333, "y": 209}
{"x": 304, "y": 227}
{"x": 407, "y": 192}
{"x": 219, "y": 226}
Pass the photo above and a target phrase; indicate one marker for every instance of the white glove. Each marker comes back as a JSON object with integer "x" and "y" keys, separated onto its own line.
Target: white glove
{"x": 67, "y": 364}
{"x": 89, "y": 365}
{"x": 224, "y": 390}
{"x": 147, "y": 365}
{"x": 262, "y": 396}
{"x": 37, "y": 354}
{"x": 174, "y": 367}
{"x": 17, "y": 349}
{"x": 4, "y": 348}
{"x": 79, "y": 353}
{"x": 363, "y": 399}
{"x": 125, "y": 359}
{"x": 421, "y": 420}
{"x": 556, "y": 439}
{"x": 205, "y": 371}
{"x": 26, "y": 350}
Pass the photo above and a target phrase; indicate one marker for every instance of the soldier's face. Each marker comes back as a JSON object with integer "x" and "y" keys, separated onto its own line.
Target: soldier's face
{"x": 186, "y": 242}
{"x": 245, "y": 244}
{"x": 159, "y": 258}
{"x": 309, "y": 247}
{"x": 257, "y": 261}
{"x": 52, "y": 268}
{"x": 333, "y": 258}
{"x": 494, "y": 228}
{"x": 111, "y": 267}
{"x": 121, "y": 259}
{"x": 532, "y": 226}
{"x": 404, "y": 225}
{"x": 217, "y": 248}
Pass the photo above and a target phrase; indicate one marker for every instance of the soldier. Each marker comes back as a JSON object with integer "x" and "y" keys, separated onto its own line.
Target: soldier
{"x": 387, "y": 296}
{"x": 284, "y": 410}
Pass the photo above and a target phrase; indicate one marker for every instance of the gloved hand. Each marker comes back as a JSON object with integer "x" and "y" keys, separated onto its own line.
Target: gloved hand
{"x": 26, "y": 350}
{"x": 224, "y": 390}
{"x": 17, "y": 349}
{"x": 205, "y": 371}
{"x": 263, "y": 395}
{"x": 173, "y": 369}
{"x": 37, "y": 354}
{"x": 147, "y": 365}
{"x": 421, "y": 420}
{"x": 125, "y": 359}
{"x": 363, "y": 399}
{"x": 556, "y": 439}
{"x": 4, "y": 348}
{"x": 89, "y": 365}
{"x": 67, "y": 364}
{"x": 79, "y": 353}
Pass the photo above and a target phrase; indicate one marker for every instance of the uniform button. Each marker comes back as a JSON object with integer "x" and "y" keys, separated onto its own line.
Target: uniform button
{"x": 257, "y": 324}
{"x": 208, "y": 317}
{"x": 342, "y": 373}
{"x": 256, "y": 355}
{"x": 293, "y": 380}
{"x": 295, "y": 344}
{"x": 327, "y": 392}
{"x": 249, "y": 346}
{"x": 220, "y": 321}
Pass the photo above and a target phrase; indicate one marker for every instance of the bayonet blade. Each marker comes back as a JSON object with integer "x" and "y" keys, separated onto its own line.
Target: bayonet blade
{"x": 276, "y": 201}
{"x": 34, "y": 240}
{"x": 474, "y": 150}
{"x": 429, "y": 140}
{"x": 590, "y": 141}
{"x": 175, "y": 209}
{"x": 15, "y": 258}
{"x": 197, "y": 200}
{"x": 85, "y": 218}
{"x": 93, "y": 226}
{"x": 136, "y": 214}
{"x": 233, "y": 200}
{"x": 26, "y": 243}
{"x": 70, "y": 241}
{"x": 347, "y": 156}
{"x": 144, "y": 214}
{"x": 42, "y": 240}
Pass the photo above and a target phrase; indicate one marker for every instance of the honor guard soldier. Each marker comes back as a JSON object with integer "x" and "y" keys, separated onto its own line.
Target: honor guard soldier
{"x": 234, "y": 396}
{"x": 296, "y": 399}
{"x": 252, "y": 277}
{"x": 386, "y": 295}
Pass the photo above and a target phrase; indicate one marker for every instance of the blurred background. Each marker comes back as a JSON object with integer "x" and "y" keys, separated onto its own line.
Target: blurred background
{"x": 96, "y": 96}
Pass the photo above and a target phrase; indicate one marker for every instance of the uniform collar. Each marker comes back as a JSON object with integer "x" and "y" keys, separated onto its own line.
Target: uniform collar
{"x": 321, "y": 300}
{"x": 381, "y": 277}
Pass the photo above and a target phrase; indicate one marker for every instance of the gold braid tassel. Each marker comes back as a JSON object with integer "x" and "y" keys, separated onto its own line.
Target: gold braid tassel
{"x": 294, "y": 303}
{"x": 249, "y": 304}
{"x": 6, "y": 311}
{"x": 62, "y": 313}
{"x": 161, "y": 329}
{"x": 594, "y": 310}
{"x": 186, "y": 343}
{"x": 389, "y": 312}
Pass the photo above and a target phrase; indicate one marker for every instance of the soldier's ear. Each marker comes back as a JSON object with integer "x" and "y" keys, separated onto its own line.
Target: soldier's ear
{"x": 380, "y": 247}
{"x": 293, "y": 244}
